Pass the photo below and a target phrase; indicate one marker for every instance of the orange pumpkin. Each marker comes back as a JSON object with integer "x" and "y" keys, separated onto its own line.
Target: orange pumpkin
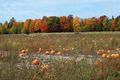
{"x": 118, "y": 49}
{"x": 108, "y": 56}
{"x": 21, "y": 55}
{"x": 23, "y": 51}
{"x": 52, "y": 52}
{"x": 26, "y": 50}
{"x": 108, "y": 51}
{"x": 115, "y": 56}
{"x": 40, "y": 50}
{"x": 99, "y": 53}
{"x": 59, "y": 53}
{"x": 104, "y": 55}
{"x": 47, "y": 52}
{"x": 65, "y": 49}
{"x": 36, "y": 62}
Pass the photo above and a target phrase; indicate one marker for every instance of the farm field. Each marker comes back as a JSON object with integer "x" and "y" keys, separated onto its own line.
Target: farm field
{"x": 60, "y": 56}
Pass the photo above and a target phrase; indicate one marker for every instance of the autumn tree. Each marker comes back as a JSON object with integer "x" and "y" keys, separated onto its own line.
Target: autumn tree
{"x": 17, "y": 27}
{"x": 106, "y": 24}
{"x": 113, "y": 24}
{"x": 26, "y": 26}
{"x": 100, "y": 21}
{"x": 76, "y": 24}
{"x": 0, "y": 28}
{"x": 37, "y": 25}
{"x": 53, "y": 23}
{"x": 117, "y": 23}
{"x": 64, "y": 23}
{"x": 44, "y": 27}
{"x": 70, "y": 22}
{"x": 32, "y": 26}
{"x": 5, "y": 29}
{"x": 11, "y": 22}
{"x": 89, "y": 24}
{"x": 98, "y": 26}
{"x": 59, "y": 24}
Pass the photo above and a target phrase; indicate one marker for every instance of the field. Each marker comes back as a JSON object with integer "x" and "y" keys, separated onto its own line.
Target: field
{"x": 60, "y": 56}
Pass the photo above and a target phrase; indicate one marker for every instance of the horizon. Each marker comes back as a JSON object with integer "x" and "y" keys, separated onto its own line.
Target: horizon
{"x": 37, "y": 9}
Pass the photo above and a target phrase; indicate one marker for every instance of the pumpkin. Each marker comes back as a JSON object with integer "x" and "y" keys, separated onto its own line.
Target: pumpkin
{"x": 52, "y": 52}
{"x": 40, "y": 50}
{"x": 115, "y": 56}
{"x": 108, "y": 51}
{"x": 118, "y": 49}
{"x": 99, "y": 53}
{"x": 59, "y": 53}
{"x": 65, "y": 49}
{"x": 26, "y": 50}
{"x": 47, "y": 52}
{"x": 108, "y": 56}
{"x": 36, "y": 62}
{"x": 23, "y": 51}
{"x": 104, "y": 55}
{"x": 21, "y": 55}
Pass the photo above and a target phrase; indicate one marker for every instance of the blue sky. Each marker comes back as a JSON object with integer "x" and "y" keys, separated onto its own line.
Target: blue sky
{"x": 23, "y": 9}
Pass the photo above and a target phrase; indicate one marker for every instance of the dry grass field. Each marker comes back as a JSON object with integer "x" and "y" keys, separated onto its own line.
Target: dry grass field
{"x": 30, "y": 57}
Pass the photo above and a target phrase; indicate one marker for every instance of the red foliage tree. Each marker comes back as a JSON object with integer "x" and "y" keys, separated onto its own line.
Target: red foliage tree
{"x": 26, "y": 26}
{"x": 37, "y": 25}
{"x": 44, "y": 27}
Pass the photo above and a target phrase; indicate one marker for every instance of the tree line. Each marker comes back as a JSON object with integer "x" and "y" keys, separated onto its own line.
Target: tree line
{"x": 61, "y": 24}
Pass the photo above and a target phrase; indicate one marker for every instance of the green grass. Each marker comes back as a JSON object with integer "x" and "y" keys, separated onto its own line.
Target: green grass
{"x": 84, "y": 43}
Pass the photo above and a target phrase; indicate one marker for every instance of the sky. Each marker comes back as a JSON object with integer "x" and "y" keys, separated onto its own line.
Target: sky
{"x": 23, "y": 9}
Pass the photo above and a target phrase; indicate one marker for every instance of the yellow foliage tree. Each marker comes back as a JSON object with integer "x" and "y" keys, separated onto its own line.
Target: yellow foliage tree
{"x": 76, "y": 24}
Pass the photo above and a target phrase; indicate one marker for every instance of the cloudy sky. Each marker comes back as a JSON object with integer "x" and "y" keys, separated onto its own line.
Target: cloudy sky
{"x": 23, "y": 9}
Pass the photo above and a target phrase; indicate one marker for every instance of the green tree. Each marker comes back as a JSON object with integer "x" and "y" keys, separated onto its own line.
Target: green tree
{"x": 5, "y": 29}
{"x": 53, "y": 23}
{"x": 0, "y": 28}
{"x": 16, "y": 28}
{"x": 10, "y": 24}
{"x": 117, "y": 28}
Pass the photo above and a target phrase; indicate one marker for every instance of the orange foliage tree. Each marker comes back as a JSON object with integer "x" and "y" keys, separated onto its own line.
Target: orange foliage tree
{"x": 37, "y": 25}
{"x": 26, "y": 26}
{"x": 64, "y": 23}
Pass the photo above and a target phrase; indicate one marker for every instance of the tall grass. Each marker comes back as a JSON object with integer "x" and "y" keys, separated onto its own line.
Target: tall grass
{"x": 84, "y": 43}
